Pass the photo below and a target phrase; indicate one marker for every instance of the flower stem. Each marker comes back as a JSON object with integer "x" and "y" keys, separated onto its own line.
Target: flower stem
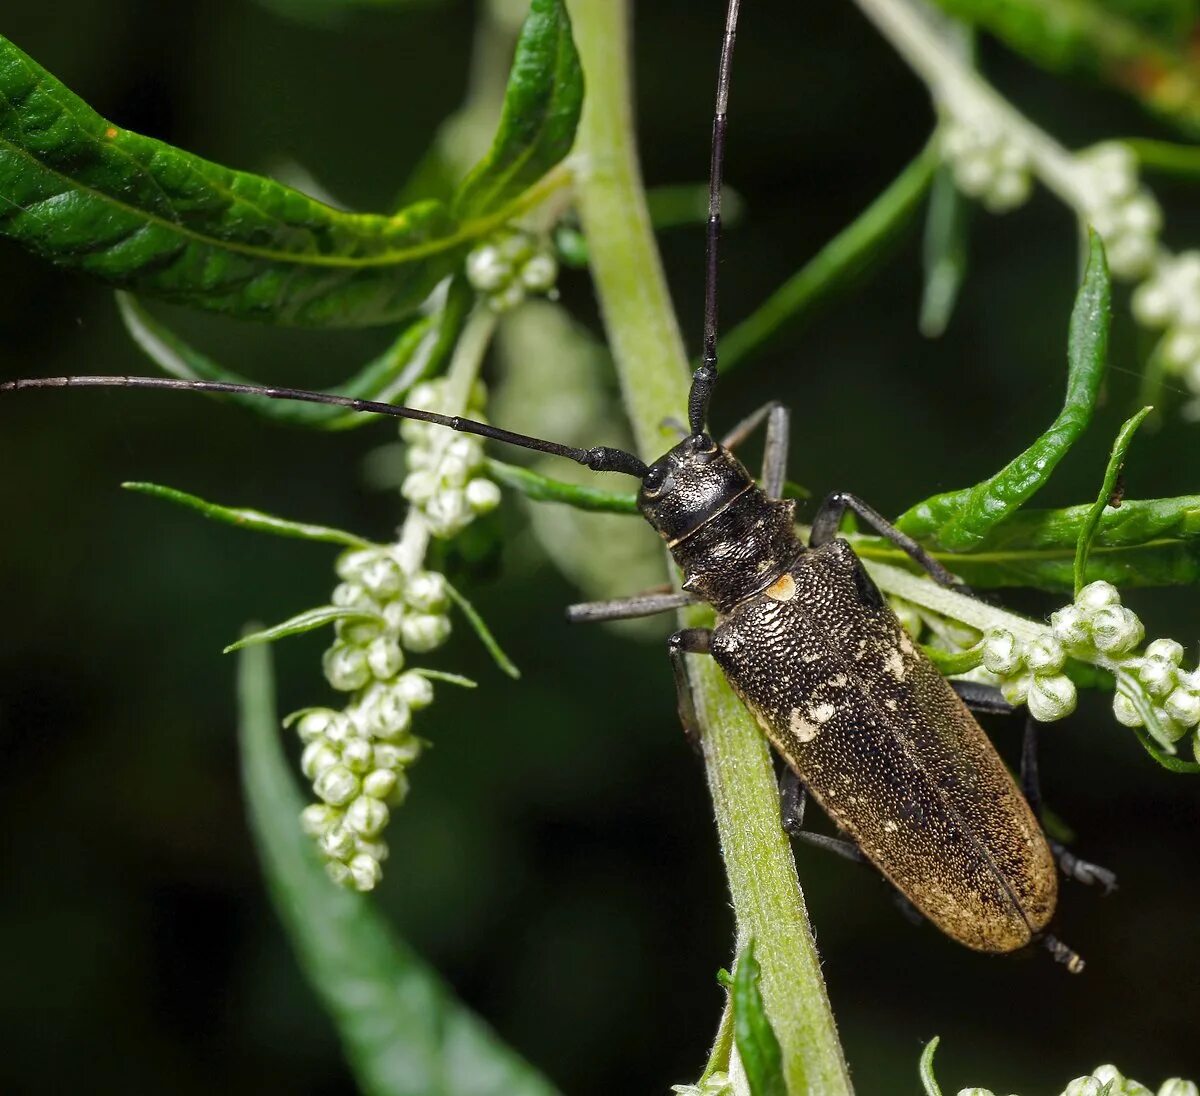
{"x": 652, "y": 367}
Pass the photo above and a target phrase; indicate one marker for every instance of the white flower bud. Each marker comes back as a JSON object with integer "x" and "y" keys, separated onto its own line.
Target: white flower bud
{"x": 465, "y": 448}
{"x": 427, "y": 591}
{"x": 313, "y": 724}
{"x": 1124, "y": 711}
{"x": 318, "y": 756}
{"x": 377, "y": 850}
{"x": 539, "y": 273}
{"x": 365, "y": 872}
{"x": 1001, "y": 652}
{"x": 358, "y": 632}
{"x": 385, "y": 658}
{"x": 394, "y": 613}
{"x": 975, "y": 1092}
{"x": 453, "y": 472}
{"x": 1070, "y": 626}
{"x": 1158, "y": 675}
{"x": 1132, "y": 254}
{"x": 339, "y": 873}
{"x": 1096, "y": 595}
{"x": 382, "y": 578}
{"x": 1116, "y": 630}
{"x": 1083, "y": 1086}
{"x": 1196, "y": 746}
{"x": 1183, "y": 706}
{"x": 396, "y": 755}
{"x": 1051, "y": 698}
{"x": 367, "y": 816}
{"x": 908, "y": 615}
{"x": 388, "y": 716}
{"x": 420, "y": 486}
{"x": 1009, "y": 189}
{"x": 350, "y": 564}
{"x": 1152, "y": 304}
{"x": 1181, "y": 347}
{"x": 346, "y": 667}
{"x": 358, "y": 755}
{"x": 424, "y": 631}
{"x": 337, "y": 843}
{"x": 516, "y": 247}
{"x": 350, "y": 595}
{"x": 447, "y": 512}
{"x": 487, "y": 269}
{"x": 1107, "y": 1073}
{"x": 1045, "y": 655}
{"x": 1142, "y": 214}
{"x": 1177, "y": 1086}
{"x": 380, "y": 783}
{"x": 1165, "y": 650}
{"x": 1016, "y": 689}
{"x": 316, "y": 818}
{"x": 415, "y": 689}
{"x": 506, "y": 299}
{"x": 337, "y": 785}
{"x": 482, "y": 495}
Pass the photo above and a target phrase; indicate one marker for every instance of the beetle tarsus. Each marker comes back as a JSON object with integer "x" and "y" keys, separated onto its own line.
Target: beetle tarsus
{"x": 1072, "y": 960}
{"x": 1083, "y": 871}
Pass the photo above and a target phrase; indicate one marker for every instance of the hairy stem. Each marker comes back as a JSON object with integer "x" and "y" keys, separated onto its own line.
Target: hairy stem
{"x": 652, "y": 367}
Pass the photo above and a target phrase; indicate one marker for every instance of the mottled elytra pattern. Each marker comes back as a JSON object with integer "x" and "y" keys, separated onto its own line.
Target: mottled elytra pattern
{"x": 889, "y": 750}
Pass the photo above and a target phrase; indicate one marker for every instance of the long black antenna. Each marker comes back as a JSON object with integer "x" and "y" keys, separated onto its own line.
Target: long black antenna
{"x": 599, "y": 458}
{"x": 706, "y": 374}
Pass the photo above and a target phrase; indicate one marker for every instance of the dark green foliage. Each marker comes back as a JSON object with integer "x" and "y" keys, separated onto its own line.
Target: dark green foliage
{"x": 757, "y": 1046}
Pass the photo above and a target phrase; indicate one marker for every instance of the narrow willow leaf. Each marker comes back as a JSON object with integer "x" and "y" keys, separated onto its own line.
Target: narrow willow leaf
{"x": 448, "y": 678}
{"x": 483, "y": 632}
{"x": 928, "y": 1080}
{"x": 1132, "y": 689}
{"x": 180, "y": 359}
{"x": 757, "y": 1046}
{"x": 1166, "y": 760}
{"x": 1116, "y": 462}
{"x": 539, "y": 488}
{"x": 953, "y": 662}
{"x": 540, "y": 115}
{"x": 161, "y": 222}
{"x": 840, "y": 264}
{"x": 944, "y": 253}
{"x": 403, "y": 1031}
{"x": 254, "y": 520}
{"x": 1166, "y": 157}
{"x": 307, "y": 621}
{"x": 961, "y": 520}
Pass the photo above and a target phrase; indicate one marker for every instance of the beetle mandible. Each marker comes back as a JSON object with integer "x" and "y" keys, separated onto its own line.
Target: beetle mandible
{"x": 864, "y": 721}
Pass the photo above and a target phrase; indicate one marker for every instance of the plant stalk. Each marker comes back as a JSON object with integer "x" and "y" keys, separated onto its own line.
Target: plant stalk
{"x": 653, "y": 371}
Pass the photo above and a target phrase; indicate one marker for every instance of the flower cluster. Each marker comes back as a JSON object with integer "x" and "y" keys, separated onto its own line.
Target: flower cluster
{"x": 718, "y": 1084}
{"x": 357, "y": 757}
{"x": 510, "y": 266}
{"x": 1031, "y": 673}
{"x": 445, "y": 478}
{"x": 1107, "y": 1080}
{"x": 987, "y": 163}
{"x": 1170, "y": 299}
{"x": 1119, "y": 208}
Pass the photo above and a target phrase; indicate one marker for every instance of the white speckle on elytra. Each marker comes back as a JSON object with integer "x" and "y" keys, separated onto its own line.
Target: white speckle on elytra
{"x": 890, "y": 704}
{"x": 906, "y": 644}
{"x": 810, "y": 656}
{"x": 889, "y": 827}
{"x": 838, "y": 681}
{"x": 801, "y": 727}
{"x": 894, "y": 664}
{"x": 821, "y": 713}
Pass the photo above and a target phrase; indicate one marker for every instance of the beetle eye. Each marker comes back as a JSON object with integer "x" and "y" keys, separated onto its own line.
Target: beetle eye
{"x": 654, "y": 480}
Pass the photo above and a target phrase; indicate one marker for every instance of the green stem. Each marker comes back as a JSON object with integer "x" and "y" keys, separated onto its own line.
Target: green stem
{"x": 652, "y": 367}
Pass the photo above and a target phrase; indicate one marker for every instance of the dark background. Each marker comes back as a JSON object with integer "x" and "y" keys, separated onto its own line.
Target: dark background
{"x": 556, "y": 859}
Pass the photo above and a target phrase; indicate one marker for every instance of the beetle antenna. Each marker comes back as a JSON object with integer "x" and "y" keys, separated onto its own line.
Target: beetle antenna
{"x": 706, "y": 374}
{"x": 599, "y": 458}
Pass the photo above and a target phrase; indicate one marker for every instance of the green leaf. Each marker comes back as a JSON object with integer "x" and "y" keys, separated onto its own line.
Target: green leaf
{"x": 954, "y": 662}
{"x": 403, "y": 1031}
{"x": 161, "y": 222}
{"x": 928, "y": 1080}
{"x": 680, "y": 204}
{"x": 944, "y": 253}
{"x": 1166, "y": 760}
{"x": 541, "y": 113}
{"x": 539, "y": 488}
{"x": 448, "y": 678}
{"x": 483, "y": 632}
{"x": 757, "y": 1045}
{"x": 1116, "y": 462}
{"x": 839, "y": 265}
{"x": 307, "y": 621}
{"x": 961, "y": 520}
{"x": 254, "y": 520}
{"x": 1166, "y": 157}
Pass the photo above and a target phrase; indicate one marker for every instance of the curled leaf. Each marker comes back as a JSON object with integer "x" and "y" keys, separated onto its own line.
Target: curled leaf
{"x": 254, "y": 520}
{"x": 757, "y": 1045}
{"x": 961, "y": 520}
{"x": 307, "y": 621}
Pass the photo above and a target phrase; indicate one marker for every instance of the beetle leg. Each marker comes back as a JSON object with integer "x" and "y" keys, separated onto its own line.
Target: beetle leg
{"x": 793, "y": 797}
{"x": 828, "y": 521}
{"x": 982, "y": 698}
{"x": 627, "y": 608}
{"x": 687, "y": 641}
{"x": 1082, "y": 871}
{"x": 775, "y": 456}
{"x": 1063, "y": 954}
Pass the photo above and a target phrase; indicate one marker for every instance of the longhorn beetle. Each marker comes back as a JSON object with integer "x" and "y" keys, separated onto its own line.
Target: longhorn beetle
{"x": 864, "y": 721}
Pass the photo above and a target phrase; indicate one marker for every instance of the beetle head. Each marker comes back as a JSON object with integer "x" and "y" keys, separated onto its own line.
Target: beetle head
{"x": 689, "y": 484}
